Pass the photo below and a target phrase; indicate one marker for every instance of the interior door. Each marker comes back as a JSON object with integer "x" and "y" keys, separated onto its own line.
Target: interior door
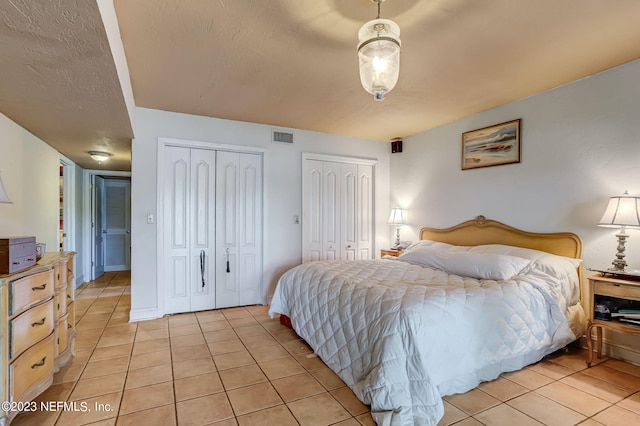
{"x": 349, "y": 211}
{"x": 117, "y": 219}
{"x": 98, "y": 227}
{"x": 331, "y": 214}
{"x": 176, "y": 209}
{"x": 312, "y": 201}
{"x": 203, "y": 229}
{"x": 188, "y": 229}
{"x": 239, "y": 229}
{"x": 365, "y": 212}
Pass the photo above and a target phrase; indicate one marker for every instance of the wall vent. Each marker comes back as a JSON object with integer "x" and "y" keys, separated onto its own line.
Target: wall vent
{"x": 282, "y": 137}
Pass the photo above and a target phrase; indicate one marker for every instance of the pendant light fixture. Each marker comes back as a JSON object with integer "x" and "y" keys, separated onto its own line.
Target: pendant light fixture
{"x": 379, "y": 55}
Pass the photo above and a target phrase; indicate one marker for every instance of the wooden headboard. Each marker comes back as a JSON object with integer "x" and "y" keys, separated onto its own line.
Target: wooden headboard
{"x": 482, "y": 231}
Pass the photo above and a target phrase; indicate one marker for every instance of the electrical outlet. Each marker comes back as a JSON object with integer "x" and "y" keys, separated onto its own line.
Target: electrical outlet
{"x": 149, "y": 218}
{"x": 296, "y": 219}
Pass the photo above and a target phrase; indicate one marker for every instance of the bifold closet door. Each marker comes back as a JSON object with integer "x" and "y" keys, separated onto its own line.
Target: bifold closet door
{"x": 189, "y": 229}
{"x": 364, "y": 212}
{"x": 337, "y": 211}
{"x": 238, "y": 229}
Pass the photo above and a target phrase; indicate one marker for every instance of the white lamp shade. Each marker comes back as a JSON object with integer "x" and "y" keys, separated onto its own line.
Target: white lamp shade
{"x": 379, "y": 56}
{"x": 622, "y": 211}
{"x": 397, "y": 217}
{"x": 4, "y": 198}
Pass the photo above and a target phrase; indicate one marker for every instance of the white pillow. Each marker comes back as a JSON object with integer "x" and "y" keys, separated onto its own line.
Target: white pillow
{"x": 465, "y": 263}
{"x": 562, "y": 268}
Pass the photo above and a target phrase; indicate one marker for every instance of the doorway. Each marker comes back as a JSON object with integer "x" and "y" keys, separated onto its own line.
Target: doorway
{"x": 66, "y": 239}
{"x": 108, "y": 222}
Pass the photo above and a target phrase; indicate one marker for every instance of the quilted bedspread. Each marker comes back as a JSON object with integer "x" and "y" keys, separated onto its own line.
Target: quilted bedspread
{"x": 402, "y": 336}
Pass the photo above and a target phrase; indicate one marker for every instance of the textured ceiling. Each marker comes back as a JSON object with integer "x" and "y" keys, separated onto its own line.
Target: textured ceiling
{"x": 58, "y": 79}
{"x": 292, "y": 63}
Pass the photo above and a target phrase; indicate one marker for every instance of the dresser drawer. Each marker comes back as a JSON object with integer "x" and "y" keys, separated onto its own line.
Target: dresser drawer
{"x": 61, "y": 302}
{"x": 70, "y": 294}
{"x": 616, "y": 290}
{"x": 62, "y": 334}
{"x": 61, "y": 278}
{"x": 71, "y": 319}
{"x": 30, "y": 327}
{"x": 32, "y": 367}
{"x": 30, "y": 290}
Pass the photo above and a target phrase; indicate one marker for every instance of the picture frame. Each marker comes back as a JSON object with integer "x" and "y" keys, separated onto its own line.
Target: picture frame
{"x": 494, "y": 145}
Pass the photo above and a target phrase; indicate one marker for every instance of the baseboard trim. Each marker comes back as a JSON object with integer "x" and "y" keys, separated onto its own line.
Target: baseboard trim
{"x": 616, "y": 350}
{"x": 136, "y": 315}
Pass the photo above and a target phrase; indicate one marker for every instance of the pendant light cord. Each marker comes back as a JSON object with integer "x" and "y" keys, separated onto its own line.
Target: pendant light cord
{"x": 379, "y": 1}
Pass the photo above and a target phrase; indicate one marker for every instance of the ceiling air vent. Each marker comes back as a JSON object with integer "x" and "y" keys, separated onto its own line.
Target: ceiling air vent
{"x": 282, "y": 137}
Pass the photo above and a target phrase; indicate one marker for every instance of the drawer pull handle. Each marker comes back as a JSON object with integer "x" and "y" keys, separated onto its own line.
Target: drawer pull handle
{"x": 39, "y": 288}
{"x": 39, "y": 364}
{"x": 39, "y": 323}
{"x": 16, "y": 263}
{"x": 31, "y": 259}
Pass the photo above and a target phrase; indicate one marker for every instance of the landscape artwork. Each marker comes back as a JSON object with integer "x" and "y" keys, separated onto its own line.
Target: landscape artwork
{"x": 491, "y": 146}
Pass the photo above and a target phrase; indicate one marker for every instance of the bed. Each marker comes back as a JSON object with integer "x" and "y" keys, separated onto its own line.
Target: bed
{"x": 459, "y": 307}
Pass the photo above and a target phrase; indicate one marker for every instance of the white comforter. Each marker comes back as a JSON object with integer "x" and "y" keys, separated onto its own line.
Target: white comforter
{"x": 401, "y": 336}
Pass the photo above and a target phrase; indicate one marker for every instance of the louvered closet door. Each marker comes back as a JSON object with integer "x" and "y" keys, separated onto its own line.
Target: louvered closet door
{"x": 239, "y": 229}
{"x": 188, "y": 229}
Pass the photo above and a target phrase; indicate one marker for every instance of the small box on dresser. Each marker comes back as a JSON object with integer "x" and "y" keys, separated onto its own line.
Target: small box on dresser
{"x": 36, "y": 337}
{"x": 17, "y": 254}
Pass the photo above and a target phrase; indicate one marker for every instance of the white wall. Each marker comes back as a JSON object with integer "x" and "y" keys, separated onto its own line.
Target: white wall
{"x": 31, "y": 175}
{"x": 580, "y": 146}
{"x": 283, "y": 190}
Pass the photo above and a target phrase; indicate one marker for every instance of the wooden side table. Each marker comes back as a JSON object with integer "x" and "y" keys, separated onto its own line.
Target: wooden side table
{"x": 390, "y": 252}
{"x": 599, "y": 285}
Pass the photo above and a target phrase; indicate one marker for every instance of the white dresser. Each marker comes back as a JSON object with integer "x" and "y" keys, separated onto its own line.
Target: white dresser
{"x": 37, "y": 327}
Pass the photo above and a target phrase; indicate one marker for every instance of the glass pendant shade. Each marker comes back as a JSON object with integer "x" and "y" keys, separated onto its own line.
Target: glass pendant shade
{"x": 379, "y": 55}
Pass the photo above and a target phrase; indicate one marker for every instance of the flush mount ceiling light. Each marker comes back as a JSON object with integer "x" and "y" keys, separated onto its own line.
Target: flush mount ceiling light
{"x": 379, "y": 55}
{"x": 99, "y": 156}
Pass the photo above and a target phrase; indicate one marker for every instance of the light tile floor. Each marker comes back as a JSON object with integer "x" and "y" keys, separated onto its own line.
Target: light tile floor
{"x": 238, "y": 367}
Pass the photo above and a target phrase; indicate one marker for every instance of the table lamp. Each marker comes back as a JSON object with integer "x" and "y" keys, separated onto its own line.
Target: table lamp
{"x": 622, "y": 211}
{"x": 398, "y": 218}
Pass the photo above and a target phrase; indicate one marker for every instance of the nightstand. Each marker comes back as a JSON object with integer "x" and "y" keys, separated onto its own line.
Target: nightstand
{"x": 599, "y": 285}
{"x": 390, "y": 252}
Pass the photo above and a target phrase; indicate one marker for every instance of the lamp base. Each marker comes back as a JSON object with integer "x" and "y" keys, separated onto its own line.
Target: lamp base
{"x": 397, "y": 245}
{"x": 619, "y": 264}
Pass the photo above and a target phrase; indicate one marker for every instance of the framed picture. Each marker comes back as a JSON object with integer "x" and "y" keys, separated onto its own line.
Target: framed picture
{"x": 491, "y": 146}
